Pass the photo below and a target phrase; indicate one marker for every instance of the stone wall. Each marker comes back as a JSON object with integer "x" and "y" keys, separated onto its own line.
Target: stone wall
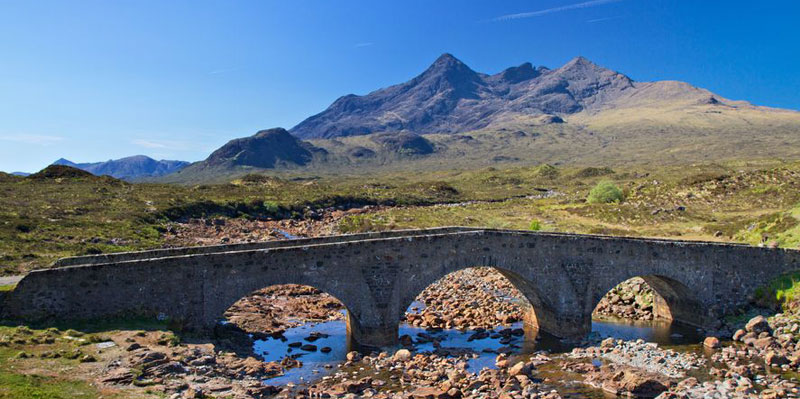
{"x": 376, "y": 276}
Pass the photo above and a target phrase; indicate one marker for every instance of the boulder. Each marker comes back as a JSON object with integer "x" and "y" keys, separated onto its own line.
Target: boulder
{"x": 519, "y": 369}
{"x": 712, "y": 343}
{"x": 773, "y": 358}
{"x": 402, "y": 355}
{"x": 429, "y": 393}
{"x": 758, "y": 325}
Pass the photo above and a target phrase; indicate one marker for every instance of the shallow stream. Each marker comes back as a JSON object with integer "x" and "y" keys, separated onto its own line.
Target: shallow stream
{"x": 317, "y": 364}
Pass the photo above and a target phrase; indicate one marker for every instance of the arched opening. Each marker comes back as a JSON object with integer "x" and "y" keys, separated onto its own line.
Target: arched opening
{"x": 299, "y": 332}
{"x": 478, "y": 310}
{"x": 655, "y": 308}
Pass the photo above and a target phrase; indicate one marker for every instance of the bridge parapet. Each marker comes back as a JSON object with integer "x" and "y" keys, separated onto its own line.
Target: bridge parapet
{"x": 208, "y": 249}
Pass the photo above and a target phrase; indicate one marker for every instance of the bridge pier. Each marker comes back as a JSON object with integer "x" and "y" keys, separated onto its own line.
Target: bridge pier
{"x": 366, "y": 338}
{"x": 676, "y": 302}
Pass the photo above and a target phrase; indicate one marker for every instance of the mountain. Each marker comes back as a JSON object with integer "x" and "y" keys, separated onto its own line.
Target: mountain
{"x": 452, "y": 117}
{"x": 130, "y": 168}
{"x": 267, "y": 149}
{"x": 449, "y": 97}
{"x": 21, "y": 174}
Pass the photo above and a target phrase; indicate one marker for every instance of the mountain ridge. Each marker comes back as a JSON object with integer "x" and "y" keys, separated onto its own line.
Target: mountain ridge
{"x": 452, "y": 117}
{"x": 128, "y": 168}
{"x": 450, "y": 97}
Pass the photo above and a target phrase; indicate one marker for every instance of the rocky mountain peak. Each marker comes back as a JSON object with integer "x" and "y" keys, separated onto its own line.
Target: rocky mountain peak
{"x": 520, "y": 73}
{"x": 449, "y": 97}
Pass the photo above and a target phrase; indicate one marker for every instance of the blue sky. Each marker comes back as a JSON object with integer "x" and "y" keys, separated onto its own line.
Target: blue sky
{"x": 94, "y": 80}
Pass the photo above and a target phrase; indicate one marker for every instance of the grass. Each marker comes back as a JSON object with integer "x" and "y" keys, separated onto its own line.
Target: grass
{"x": 782, "y": 293}
{"x": 47, "y": 218}
{"x": 714, "y": 202}
{"x": 45, "y": 363}
{"x": 18, "y": 386}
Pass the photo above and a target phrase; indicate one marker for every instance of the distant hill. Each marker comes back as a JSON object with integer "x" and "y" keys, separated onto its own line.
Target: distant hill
{"x": 453, "y": 117}
{"x": 23, "y": 174}
{"x": 267, "y": 149}
{"x": 62, "y": 172}
{"x": 130, "y": 168}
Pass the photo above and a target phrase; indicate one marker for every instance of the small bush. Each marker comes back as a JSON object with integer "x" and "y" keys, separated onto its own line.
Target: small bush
{"x": 605, "y": 192}
{"x": 547, "y": 171}
{"x": 594, "y": 172}
{"x": 781, "y": 293}
{"x": 535, "y": 225}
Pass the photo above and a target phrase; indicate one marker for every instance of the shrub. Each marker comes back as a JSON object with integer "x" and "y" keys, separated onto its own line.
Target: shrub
{"x": 547, "y": 171}
{"x": 535, "y": 225}
{"x": 781, "y": 293}
{"x": 594, "y": 172}
{"x": 605, "y": 192}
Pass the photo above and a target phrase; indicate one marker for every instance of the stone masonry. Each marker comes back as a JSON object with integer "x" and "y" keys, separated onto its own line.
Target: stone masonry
{"x": 377, "y": 275}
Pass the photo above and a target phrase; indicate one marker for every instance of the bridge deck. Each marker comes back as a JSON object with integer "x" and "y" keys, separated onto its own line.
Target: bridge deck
{"x": 124, "y": 257}
{"x": 211, "y": 249}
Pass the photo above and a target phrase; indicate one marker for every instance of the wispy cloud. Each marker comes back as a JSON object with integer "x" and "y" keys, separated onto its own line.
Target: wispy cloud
{"x": 539, "y": 13}
{"x": 35, "y": 139}
{"x": 596, "y": 20}
{"x": 149, "y": 143}
{"x": 364, "y": 44}
{"x": 175, "y": 146}
{"x": 225, "y": 70}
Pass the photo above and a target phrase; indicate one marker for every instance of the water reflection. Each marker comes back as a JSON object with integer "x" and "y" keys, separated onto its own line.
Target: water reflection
{"x": 334, "y": 335}
{"x": 661, "y": 332}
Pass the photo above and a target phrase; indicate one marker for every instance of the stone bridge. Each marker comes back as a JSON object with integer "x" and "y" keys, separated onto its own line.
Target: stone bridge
{"x": 377, "y": 276}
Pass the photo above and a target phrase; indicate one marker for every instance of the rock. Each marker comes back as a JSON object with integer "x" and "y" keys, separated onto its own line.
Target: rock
{"x": 763, "y": 343}
{"x": 712, "y": 343}
{"x": 773, "y": 358}
{"x": 402, "y": 355}
{"x": 309, "y": 348}
{"x": 88, "y": 359}
{"x": 758, "y": 325}
{"x": 739, "y": 334}
{"x": 193, "y": 393}
{"x": 519, "y": 369}
{"x": 429, "y": 393}
{"x": 122, "y": 376}
{"x": 353, "y": 356}
{"x": 325, "y": 349}
{"x": 501, "y": 361}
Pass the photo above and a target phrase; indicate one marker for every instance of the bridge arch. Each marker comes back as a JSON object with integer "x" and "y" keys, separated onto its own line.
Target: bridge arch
{"x": 534, "y": 280}
{"x": 232, "y": 286}
{"x": 672, "y": 300}
{"x": 479, "y": 277}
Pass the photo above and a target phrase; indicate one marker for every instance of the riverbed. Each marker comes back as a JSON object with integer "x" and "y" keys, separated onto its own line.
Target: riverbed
{"x": 333, "y": 335}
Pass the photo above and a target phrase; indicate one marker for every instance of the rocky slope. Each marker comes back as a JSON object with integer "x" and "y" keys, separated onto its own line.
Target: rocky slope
{"x": 267, "y": 149}
{"x": 449, "y": 97}
{"x": 129, "y": 168}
